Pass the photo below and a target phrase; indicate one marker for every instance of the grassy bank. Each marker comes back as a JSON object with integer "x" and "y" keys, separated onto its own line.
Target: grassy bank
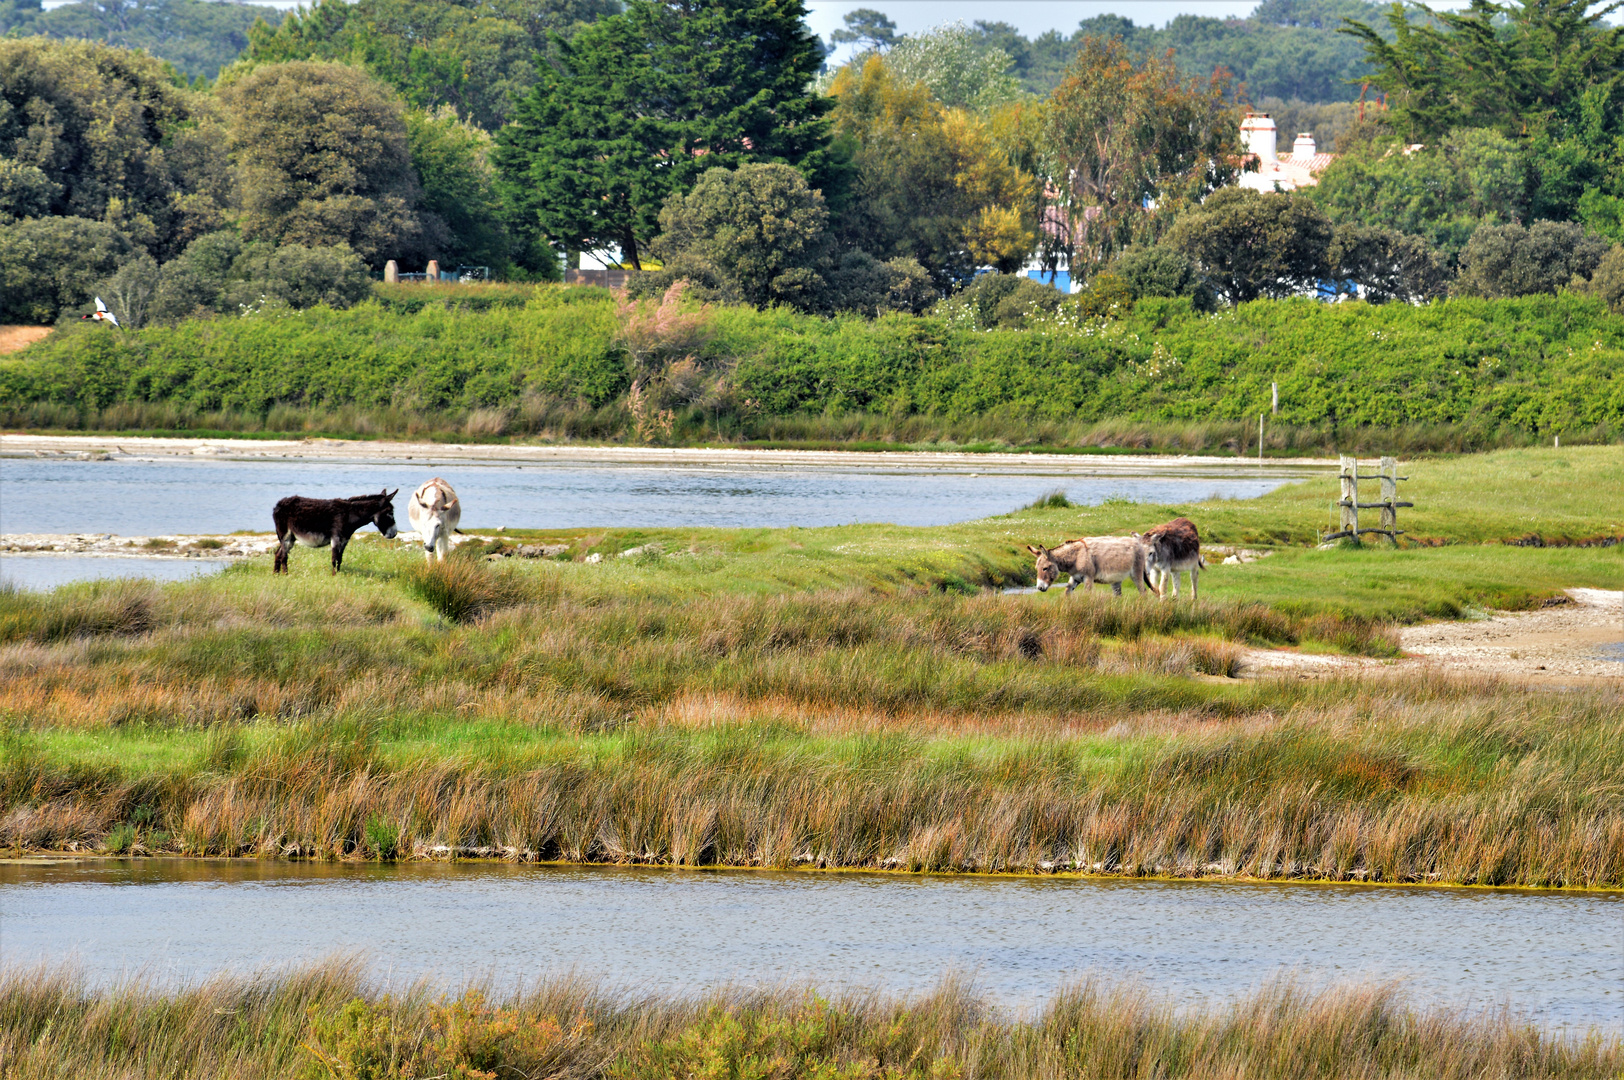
{"x": 559, "y": 363}
{"x": 327, "y": 1021}
{"x": 844, "y": 697}
{"x": 1406, "y": 781}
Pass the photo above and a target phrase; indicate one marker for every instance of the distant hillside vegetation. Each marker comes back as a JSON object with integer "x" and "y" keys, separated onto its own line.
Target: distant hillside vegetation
{"x": 199, "y": 37}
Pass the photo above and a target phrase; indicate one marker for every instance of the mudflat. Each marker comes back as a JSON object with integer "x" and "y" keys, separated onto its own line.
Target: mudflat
{"x": 17, "y": 445}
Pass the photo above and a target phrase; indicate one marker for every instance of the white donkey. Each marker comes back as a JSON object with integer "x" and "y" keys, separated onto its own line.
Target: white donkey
{"x": 434, "y": 512}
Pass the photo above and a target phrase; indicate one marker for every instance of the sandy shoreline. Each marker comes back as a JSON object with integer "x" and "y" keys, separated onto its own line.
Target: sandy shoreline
{"x": 98, "y": 447}
{"x": 1580, "y": 639}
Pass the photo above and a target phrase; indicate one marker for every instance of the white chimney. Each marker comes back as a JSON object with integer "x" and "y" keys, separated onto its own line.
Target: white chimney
{"x": 1258, "y": 136}
{"x": 1303, "y": 148}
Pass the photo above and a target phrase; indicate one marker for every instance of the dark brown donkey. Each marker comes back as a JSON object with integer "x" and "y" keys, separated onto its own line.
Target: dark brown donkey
{"x": 319, "y": 522}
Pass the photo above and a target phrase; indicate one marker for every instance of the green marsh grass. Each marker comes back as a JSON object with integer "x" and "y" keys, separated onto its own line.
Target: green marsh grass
{"x": 1403, "y": 780}
{"x": 328, "y": 1020}
{"x": 858, "y": 696}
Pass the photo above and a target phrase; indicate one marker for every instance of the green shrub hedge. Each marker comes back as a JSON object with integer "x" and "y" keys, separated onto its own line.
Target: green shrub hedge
{"x": 1534, "y": 365}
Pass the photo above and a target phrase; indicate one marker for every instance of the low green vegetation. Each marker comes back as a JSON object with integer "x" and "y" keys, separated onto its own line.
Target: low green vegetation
{"x": 329, "y": 1021}
{"x": 856, "y": 696}
{"x": 560, "y": 363}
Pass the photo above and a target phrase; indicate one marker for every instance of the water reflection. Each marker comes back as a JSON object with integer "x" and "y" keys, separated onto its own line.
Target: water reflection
{"x": 1558, "y": 956}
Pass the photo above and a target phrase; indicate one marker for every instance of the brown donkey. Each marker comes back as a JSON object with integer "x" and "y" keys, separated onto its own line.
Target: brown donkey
{"x": 319, "y": 522}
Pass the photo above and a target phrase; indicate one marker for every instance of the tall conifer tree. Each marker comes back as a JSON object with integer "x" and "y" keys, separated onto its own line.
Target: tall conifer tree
{"x": 638, "y": 105}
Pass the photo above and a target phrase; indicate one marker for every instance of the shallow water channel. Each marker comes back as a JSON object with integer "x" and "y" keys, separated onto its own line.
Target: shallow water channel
{"x": 1559, "y": 957}
{"x": 167, "y": 496}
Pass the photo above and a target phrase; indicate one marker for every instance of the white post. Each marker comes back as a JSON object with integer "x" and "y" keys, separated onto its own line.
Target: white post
{"x": 1260, "y": 440}
{"x": 1274, "y": 396}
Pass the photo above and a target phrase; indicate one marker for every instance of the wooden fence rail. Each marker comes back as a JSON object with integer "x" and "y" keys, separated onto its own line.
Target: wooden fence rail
{"x": 1350, "y": 505}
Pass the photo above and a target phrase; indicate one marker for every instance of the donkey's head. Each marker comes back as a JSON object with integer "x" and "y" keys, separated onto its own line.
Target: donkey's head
{"x": 1047, "y": 569}
{"x": 384, "y": 519}
{"x": 1155, "y": 560}
{"x": 430, "y": 511}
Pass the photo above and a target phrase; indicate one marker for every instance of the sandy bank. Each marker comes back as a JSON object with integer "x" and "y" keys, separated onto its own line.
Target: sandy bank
{"x": 98, "y": 447}
{"x": 1581, "y": 640}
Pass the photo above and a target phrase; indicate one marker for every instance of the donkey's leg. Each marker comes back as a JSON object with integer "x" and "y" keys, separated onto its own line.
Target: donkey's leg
{"x": 1195, "y": 569}
{"x": 1116, "y": 588}
{"x": 279, "y": 565}
{"x": 339, "y": 543}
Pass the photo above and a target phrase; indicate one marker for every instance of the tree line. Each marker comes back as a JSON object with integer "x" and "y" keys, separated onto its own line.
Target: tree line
{"x": 707, "y": 141}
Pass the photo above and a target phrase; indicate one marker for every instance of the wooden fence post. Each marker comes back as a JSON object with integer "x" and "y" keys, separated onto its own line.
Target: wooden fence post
{"x": 1350, "y": 497}
{"x": 1389, "y": 498}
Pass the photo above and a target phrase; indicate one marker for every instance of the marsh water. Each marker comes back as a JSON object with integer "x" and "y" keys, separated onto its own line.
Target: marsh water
{"x": 1558, "y": 957}
{"x": 146, "y": 497}
{"x": 169, "y": 496}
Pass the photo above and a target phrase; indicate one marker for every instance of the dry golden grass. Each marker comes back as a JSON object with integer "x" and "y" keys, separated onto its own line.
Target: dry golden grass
{"x": 327, "y": 1021}
{"x": 16, "y": 338}
{"x": 1397, "y": 781}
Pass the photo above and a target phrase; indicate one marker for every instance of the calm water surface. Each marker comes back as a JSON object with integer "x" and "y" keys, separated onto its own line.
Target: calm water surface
{"x": 49, "y": 571}
{"x": 1560, "y": 957}
{"x": 145, "y": 498}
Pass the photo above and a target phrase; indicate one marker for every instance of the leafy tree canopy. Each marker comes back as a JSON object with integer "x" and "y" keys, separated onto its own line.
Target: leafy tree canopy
{"x": 1509, "y": 260}
{"x": 1442, "y": 191}
{"x": 1546, "y": 73}
{"x": 868, "y": 28}
{"x": 451, "y": 158}
{"x": 51, "y": 265}
{"x": 476, "y": 56}
{"x": 761, "y": 227}
{"x": 957, "y": 69}
{"x": 322, "y": 159}
{"x": 1125, "y": 133}
{"x": 198, "y": 37}
{"x": 945, "y": 187}
{"x": 1386, "y": 264}
{"x": 1250, "y": 245}
{"x": 1161, "y": 271}
{"x": 639, "y": 104}
{"x": 90, "y": 131}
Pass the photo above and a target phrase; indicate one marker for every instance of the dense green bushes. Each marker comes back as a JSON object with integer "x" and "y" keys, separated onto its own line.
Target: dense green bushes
{"x": 1494, "y": 368}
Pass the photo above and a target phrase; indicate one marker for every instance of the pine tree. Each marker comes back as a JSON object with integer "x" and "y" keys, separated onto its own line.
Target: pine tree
{"x": 638, "y": 105}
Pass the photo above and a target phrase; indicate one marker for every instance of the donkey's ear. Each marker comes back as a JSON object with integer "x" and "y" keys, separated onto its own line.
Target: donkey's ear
{"x": 1034, "y": 550}
{"x": 391, "y": 494}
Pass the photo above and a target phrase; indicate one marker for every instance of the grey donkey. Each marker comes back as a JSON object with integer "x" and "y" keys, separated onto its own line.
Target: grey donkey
{"x": 1110, "y": 560}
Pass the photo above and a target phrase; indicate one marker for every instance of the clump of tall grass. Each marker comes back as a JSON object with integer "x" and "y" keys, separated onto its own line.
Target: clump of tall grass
{"x": 463, "y": 589}
{"x": 328, "y": 1020}
{"x": 1051, "y": 500}
{"x": 97, "y": 608}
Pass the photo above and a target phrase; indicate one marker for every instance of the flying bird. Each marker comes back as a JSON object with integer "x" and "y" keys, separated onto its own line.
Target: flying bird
{"x": 101, "y": 314}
